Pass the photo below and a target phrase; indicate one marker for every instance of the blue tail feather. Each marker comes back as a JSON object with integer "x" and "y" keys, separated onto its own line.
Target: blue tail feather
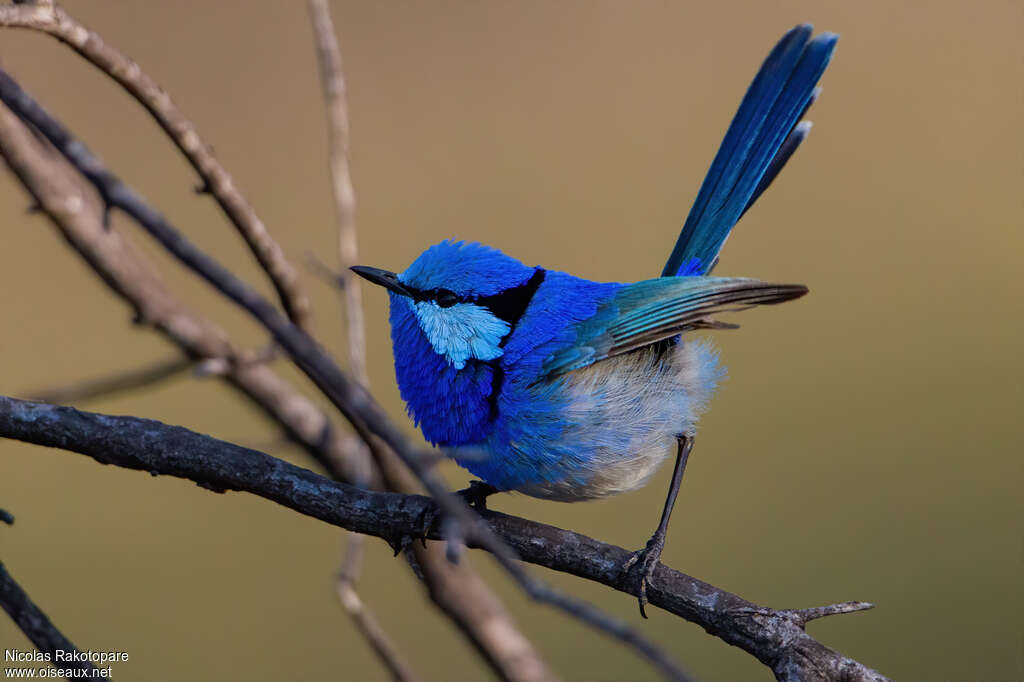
{"x": 797, "y": 135}
{"x": 763, "y": 135}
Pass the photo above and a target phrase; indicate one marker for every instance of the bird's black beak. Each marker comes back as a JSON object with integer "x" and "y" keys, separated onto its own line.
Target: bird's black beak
{"x": 385, "y": 278}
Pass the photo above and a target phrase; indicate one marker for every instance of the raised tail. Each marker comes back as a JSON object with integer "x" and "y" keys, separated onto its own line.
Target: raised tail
{"x": 763, "y": 135}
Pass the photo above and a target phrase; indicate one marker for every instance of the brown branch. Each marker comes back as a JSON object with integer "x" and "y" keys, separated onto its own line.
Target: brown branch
{"x": 344, "y": 204}
{"x": 125, "y": 380}
{"x": 52, "y": 20}
{"x": 333, "y": 80}
{"x": 364, "y": 619}
{"x": 74, "y": 209}
{"x": 775, "y": 637}
{"x": 31, "y": 620}
{"x": 351, "y": 399}
{"x": 215, "y": 367}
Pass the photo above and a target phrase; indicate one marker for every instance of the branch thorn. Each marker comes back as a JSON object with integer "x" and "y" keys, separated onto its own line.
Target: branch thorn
{"x": 804, "y": 616}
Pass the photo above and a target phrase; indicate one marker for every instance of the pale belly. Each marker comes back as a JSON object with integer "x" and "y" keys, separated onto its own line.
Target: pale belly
{"x": 626, "y": 414}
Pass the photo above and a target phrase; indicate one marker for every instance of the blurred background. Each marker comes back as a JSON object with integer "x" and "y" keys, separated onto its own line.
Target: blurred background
{"x": 867, "y": 444}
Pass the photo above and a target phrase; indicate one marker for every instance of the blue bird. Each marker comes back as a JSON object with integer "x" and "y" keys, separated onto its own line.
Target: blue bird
{"x": 547, "y": 384}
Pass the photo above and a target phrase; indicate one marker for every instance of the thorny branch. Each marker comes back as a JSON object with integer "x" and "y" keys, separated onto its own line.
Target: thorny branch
{"x": 775, "y": 637}
{"x": 353, "y": 401}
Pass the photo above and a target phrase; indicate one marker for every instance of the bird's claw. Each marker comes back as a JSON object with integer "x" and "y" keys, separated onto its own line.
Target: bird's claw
{"x": 641, "y": 565}
{"x": 475, "y": 496}
{"x": 424, "y": 524}
{"x": 400, "y": 543}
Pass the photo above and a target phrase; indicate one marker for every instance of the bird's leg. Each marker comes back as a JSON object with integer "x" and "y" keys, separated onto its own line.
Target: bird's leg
{"x": 643, "y": 562}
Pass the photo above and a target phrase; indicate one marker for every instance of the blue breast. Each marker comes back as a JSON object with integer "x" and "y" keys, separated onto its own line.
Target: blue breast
{"x": 503, "y": 414}
{"x": 451, "y": 406}
{"x": 524, "y": 444}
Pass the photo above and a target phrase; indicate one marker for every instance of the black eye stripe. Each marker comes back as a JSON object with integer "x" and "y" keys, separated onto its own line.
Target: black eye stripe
{"x": 510, "y": 304}
{"x": 445, "y": 298}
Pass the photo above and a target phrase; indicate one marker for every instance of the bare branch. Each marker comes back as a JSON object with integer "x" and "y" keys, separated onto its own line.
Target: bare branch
{"x": 323, "y": 271}
{"x": 125, "y": 380}
{"x": 774, "y": 637}
{"x": 364, "y": 619}
{"x": 483, "y": 618}
{"x": 333, "y": 80}
{"x": 354, "y": 401}
{"x": 461, "y": 593}
{"x": 37, "y": 627}
{"x": 48, "y": 18}
{"x": 344, "y": 203}
{"x": 73, "y": 208}
{"x": 216, "y": 367}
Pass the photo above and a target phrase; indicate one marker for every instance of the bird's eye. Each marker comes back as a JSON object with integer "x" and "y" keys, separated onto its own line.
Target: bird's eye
{"x": 445, "y": 298}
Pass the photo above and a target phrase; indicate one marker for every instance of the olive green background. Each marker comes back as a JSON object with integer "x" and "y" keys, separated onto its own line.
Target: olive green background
{"x": 867, "y": 444}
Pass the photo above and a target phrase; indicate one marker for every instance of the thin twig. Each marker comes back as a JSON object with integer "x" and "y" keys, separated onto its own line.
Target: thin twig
{"x": 351, "y": 399}
{"x": 774, "y": 637}
{"x": 217, "y": 367}
{"x": 125, "y": 380}
{"x": 54, "y": 21}
{"x": 323, "y": 271}
{"x": 364, "y": 619}
{"x": 71, "y": 205}
{"x": 39, "y": 629}
{"x": 333, "y": 81}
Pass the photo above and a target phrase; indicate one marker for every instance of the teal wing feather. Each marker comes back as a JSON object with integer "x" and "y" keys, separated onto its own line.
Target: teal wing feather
{"x": 646, "y": 312}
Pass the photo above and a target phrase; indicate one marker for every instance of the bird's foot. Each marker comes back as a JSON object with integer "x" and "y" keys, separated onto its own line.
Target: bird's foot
{"x": 475, "y": 496}
{"x": 640, "y": 566}
{"x": 426, "y": 522}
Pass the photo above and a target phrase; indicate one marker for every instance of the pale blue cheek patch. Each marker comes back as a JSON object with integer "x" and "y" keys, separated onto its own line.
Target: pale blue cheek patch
{"x": 462, "y": 331}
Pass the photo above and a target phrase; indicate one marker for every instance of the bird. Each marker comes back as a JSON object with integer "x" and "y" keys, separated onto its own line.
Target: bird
{"x": 544, "y": 383}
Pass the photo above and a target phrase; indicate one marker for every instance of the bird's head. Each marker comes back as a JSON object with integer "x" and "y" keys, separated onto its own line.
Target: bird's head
{"x": 464, "y": 297}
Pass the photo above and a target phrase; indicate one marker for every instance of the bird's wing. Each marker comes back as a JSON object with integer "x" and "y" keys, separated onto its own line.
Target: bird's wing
{"x": 646, "y": 312}
{"x": 763, "y": 135}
